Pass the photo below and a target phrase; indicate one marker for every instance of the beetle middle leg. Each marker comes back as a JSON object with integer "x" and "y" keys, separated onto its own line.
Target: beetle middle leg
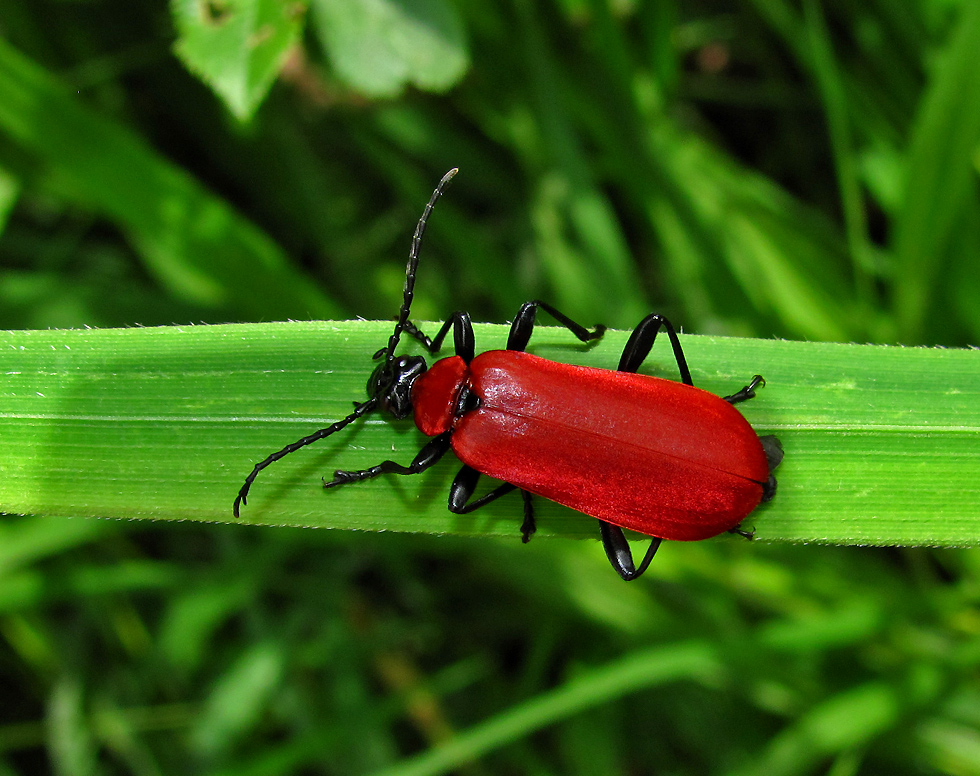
{"x": 523, "y": 325}
{"x": 618, "y": 551}
{"x": 641, "y": 341}
{"x": 463, "y": 487}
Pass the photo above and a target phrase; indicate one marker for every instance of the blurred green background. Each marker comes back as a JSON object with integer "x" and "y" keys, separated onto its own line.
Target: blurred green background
{"x": 772, "y": 169}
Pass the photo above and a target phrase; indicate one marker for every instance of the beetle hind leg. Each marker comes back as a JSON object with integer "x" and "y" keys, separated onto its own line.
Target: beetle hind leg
{"x": 618, "y": 551}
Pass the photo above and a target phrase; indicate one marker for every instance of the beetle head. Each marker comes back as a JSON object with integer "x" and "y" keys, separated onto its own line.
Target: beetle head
{"x": 391, "y": 384}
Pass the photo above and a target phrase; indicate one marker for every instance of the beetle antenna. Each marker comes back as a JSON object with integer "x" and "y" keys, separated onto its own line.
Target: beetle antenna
{"x": 387, "y": 352}
{"x": 359, "y": 410}
{"x": 413, "y": 262}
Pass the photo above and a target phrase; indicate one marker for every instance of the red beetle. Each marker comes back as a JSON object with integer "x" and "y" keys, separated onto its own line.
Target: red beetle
{"x": 659, "y": 457}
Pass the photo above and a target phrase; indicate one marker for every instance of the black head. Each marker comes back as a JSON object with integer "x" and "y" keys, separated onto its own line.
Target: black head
{"x": 391, "y": 384}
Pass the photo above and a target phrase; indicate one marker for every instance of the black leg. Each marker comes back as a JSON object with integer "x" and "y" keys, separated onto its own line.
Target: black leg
{"x": 618, "y": 551}
{"x": 426, "y": 457}
{"x": 641, "y": 341}
{"x": 770, "y": 443}
{"x": 415, "y": 333}
{"x": 523, "y": 325}
{"x": 463, "y": 487}
{"x": 463, "y": 338}
{"x": 748, "y": 392}
{"x": 529, "y": 526}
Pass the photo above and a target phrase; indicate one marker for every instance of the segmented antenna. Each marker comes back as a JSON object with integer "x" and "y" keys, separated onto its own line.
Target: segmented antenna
{"x": 413, "y": 262}
{"x": 388, "y": 352}
{"x": 359, "y": 409}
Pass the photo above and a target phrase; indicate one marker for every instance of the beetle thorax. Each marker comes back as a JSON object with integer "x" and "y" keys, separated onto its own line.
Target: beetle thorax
{"x": 436, "y": 395}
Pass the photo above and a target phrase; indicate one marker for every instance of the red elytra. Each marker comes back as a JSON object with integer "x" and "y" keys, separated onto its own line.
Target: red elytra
{"x": 659, "y": 457}
{"x": 652, "y": 455}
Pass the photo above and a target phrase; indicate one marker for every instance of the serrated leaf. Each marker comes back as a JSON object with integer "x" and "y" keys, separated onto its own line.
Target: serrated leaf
{"x": 237, "y": 47}
{"x": 380, "y": 46}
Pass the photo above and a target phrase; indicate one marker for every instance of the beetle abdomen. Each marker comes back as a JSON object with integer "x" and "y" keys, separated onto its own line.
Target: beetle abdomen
{"x": 641, "y": 452}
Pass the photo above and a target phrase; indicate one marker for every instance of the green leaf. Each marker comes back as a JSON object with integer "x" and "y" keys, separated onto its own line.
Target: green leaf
{"x": 882, "y": 443}
{"x": 378, "y": 47}
{"x": 70, "y": 739}
{"x": 237, "y": 47}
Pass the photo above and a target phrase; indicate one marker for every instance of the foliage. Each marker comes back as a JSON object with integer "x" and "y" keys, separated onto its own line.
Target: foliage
{"x": 773, "y": 170}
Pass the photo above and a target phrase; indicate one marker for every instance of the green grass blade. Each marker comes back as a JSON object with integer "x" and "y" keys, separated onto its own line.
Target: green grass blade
{"x": 882, "y": 444}
{"x": 837, "y": 726}
{"x": 832, "y": 91}
{"x": 637, "y": 671}
{"x": 9, "y": 192}
{"x": 938, "y": 187}
{"x": 192, "y": 241}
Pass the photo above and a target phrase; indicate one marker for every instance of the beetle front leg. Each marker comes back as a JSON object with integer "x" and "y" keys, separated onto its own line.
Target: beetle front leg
{"x": 425, "y": 458}
{"x": 618, "y": 551}
{"x": 464, "y": 340}
{"x": 641, "y": 341}
{"x": 463, "y": 487}
{"x": 523, "y": 325}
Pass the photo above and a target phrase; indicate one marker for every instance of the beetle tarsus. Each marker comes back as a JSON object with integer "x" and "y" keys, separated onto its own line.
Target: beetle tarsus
{"x": 742, "y": 532}
{"x": 746, "y": 393}
{"x": 340, "y": 477}
{"x": 426, "y": 457}
{"x": 359, "y": 410}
